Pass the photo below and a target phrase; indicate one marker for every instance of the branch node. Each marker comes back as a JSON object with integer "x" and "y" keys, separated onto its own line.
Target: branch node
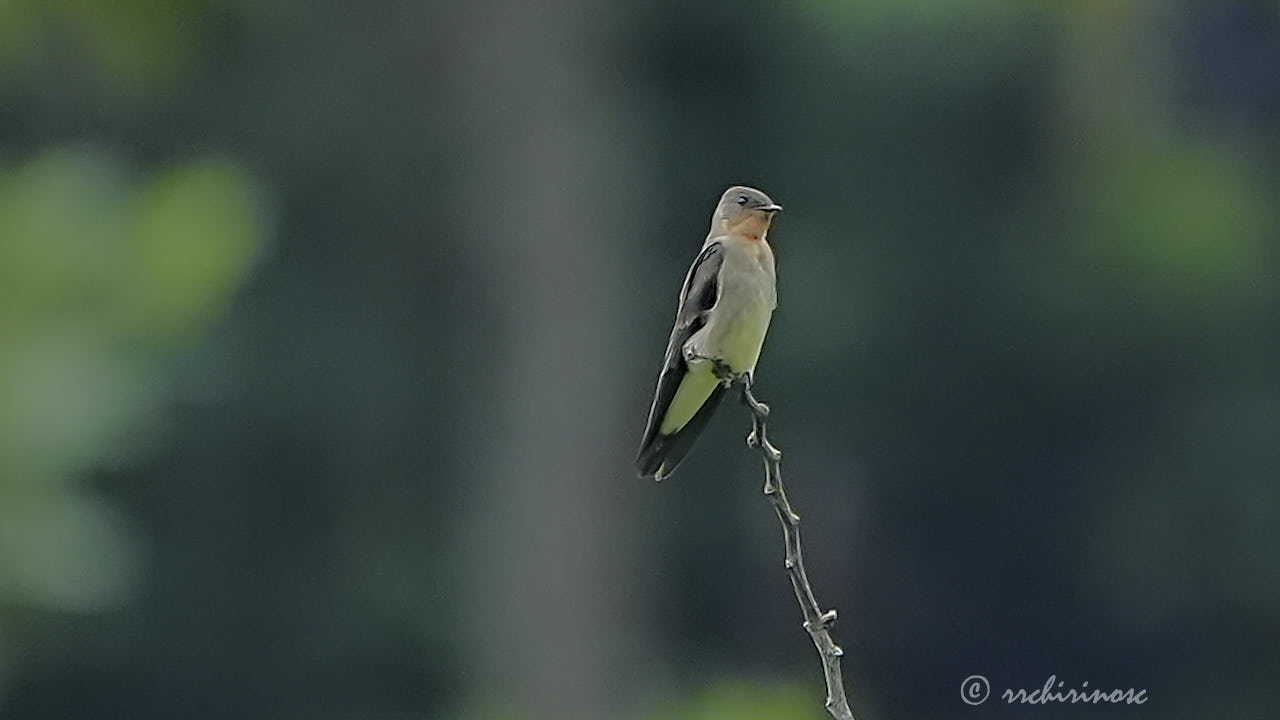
{"x": 819, "y": 628}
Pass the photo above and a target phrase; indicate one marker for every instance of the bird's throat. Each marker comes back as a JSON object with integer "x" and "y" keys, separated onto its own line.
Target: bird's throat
{"x": 753, "y": 227}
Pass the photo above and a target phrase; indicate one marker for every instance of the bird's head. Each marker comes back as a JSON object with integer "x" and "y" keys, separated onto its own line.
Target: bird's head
{"x": 745, "y": 211}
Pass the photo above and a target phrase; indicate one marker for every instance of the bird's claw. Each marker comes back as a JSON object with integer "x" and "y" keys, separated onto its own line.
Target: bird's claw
{"x": 719, "y": 368}
{"x": 723, "y": 372}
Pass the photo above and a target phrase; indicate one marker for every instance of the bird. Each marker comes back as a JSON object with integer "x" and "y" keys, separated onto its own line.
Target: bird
{"x": 725, "y": 306}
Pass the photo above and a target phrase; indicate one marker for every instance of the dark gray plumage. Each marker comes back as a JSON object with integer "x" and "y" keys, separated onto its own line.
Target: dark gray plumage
{"x": 697, "y": 297}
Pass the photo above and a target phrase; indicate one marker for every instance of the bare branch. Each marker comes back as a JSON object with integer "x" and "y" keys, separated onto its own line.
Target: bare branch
{"x": 816, "y": 622}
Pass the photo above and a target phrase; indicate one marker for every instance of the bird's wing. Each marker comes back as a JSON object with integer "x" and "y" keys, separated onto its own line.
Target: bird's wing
{"x": 700, "y": 292}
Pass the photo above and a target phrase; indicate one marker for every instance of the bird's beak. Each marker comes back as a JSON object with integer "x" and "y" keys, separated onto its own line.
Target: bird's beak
{"x": 770, "y": 208}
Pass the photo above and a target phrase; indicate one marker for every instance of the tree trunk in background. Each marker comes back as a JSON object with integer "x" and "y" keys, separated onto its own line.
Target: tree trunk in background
{"x": 549, "y": 551}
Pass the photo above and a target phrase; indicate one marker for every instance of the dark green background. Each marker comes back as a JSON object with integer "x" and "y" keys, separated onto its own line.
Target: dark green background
{"x": 327, "y": 332}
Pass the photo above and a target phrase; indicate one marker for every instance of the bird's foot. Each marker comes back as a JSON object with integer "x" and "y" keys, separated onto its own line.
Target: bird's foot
{"x": 723, "y": 372}
{"x": 719, "y": 368}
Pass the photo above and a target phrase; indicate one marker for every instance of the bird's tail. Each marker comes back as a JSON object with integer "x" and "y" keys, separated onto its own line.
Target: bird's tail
{"x": 660, "y": 454}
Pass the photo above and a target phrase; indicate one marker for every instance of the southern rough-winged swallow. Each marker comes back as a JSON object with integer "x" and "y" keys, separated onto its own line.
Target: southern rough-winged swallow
{"x": 725, "y": 306}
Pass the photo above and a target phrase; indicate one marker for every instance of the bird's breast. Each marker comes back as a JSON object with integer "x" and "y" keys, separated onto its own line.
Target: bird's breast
{"x": 737, "y": 326}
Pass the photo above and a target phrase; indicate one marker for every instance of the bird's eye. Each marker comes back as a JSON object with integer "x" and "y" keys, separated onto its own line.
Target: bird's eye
{"x": 742, "y": 199}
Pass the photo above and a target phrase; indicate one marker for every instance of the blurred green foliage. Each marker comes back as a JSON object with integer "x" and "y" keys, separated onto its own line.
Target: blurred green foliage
{"x": 739, "y": 699}
{"x": 135, "y": 43}
{"x": 105, "y": 273}
{"x": 1186, "y": 225}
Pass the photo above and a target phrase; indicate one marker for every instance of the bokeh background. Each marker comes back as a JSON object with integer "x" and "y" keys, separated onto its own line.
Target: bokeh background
{"x": 328, "y": 329}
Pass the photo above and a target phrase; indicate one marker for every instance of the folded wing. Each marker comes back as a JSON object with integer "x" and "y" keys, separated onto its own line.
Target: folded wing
{"x": 660, "y": 453}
